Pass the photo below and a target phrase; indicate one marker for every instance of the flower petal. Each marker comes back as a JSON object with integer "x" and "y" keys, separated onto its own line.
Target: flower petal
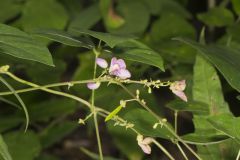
{"x": 123, "y": 74}
{"x": 146, "y": 148}
{"x": 180, "y": 94}
{"x": 147, "y": 140}
{"x": 121, "y": 63}
{"x": 101, "y": 62}
{"x": 93, "y": 86}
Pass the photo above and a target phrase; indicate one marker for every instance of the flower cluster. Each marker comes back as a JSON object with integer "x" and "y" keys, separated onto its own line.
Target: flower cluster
{"x": 117, "y": 68}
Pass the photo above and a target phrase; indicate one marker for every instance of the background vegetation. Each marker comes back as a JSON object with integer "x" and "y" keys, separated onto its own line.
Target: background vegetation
{"x": 209, "y": 62}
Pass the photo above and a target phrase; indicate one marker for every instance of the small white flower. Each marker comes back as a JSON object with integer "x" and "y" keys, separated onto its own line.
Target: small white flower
{"x": 144, "y": 144}
{"x": 177, "y": 88}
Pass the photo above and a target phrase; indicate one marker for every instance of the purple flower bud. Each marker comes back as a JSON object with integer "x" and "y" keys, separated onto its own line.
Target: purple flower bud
{"x": 93, "y": 85}
{"x": 118, "y": 68}
{"x": 101, "y": 62}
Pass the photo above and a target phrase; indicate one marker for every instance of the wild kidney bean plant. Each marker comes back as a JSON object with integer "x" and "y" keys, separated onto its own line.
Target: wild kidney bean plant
{"x": 121, "y": 102}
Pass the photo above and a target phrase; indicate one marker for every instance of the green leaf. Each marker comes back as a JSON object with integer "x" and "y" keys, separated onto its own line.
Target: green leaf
{"x": 51, "y": 108}
{"x": 23, "y": 146}
{"x": 9, "y": 9}
{"x": 136, "y": 51}
{"x": 218, "y": 16}
{"x": 63, "y": 37}
{"x": 113, "y": 113}
{"x": 225, "y": 59}
{"x": 207, "y": 87}
{"x": 86, "y": 18}
{"x": 110, "y": 39}
{"x": 228, "y": 125}
{"x": 143, "y": 122}
{"x": 9, "y": 102}
{"x": 8, "y": 122}
{"x": 54, "y": 134}
{"x": 36, "y": 72}
{"x": 163, "y": 29}
{"x": 236, "y": 6}
{"x": 19, "y": 44}
{"x": 43, "y": 14}
{"x": 164, "y": 7}
{"x": 4, "y": 153}
{"x": 135, "y": 15}
{"x": 192, "y": 106}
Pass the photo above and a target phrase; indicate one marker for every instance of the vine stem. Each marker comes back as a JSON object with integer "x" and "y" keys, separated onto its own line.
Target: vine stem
{"x": 44, "y": 88}
{"x": 175, "y": 121}
{"x": 181, "y": 150}
{"x": 93, "y": 108}
{"x": 163, "y": 149}
{"x": 238, "y": 156}
{"x": 160, "y": 119}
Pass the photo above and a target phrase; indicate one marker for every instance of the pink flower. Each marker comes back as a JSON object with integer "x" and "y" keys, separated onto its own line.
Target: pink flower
{"x": 177, "y": 88}
{"x": 101, "y": 62}
{"x": 118, "y": 68}
{"x": 145, "y": 144}
{"x": 93, "y": 85}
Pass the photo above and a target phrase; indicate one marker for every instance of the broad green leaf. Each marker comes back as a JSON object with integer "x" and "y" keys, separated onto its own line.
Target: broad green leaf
{"x": 54, "y": 134}
{"x": 8, "y": 122}
{"x": 9, "y": 9}
{"x": 136, "y": 51}
{"x": 63, "y": 37}
{"x": 157, "y": 7}
{"x": 192, "y": 106}
{"x": 110, "y": 39}
{"x": 43, "y": 14}
{"x": 36, "y": 72}
{"x": 228, "y": 150}
{"x": 9, "y": 102}
{"x": 86, "y": 18}
{"x": 113, "y": 113}
{"x": 163, "y": 29}
{"x": 218, "y": 16}
{"x": 95, "y": 156}
{"x": 236, "y": 6}
{"x": 143, "y": 122}
{"x": 228, "y": 125}
{"x": 4, "y": 153}
{"x": 51, "y": 108}
{"x": 135, "y": 15}
{"x": 234, "y": 32}
{"x": 19, "y": 44}
{"x": 23, "y": 146}
{"x": 225, "y": 59}
{"x": 207, "y": 87}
